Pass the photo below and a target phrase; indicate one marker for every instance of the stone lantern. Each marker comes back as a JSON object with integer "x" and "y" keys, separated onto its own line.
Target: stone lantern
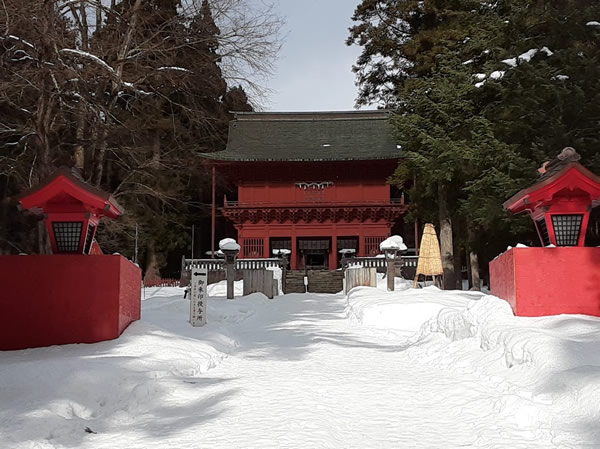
{"x": 392, "y": 247}
{"x": 563, "y": 276}
{"x": 231, "y": 250}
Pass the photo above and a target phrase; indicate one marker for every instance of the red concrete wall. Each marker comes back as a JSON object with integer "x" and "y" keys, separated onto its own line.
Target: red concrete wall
{"x": 130, "y": 280}
{"x": 60, "y": 299}
{"x": 289, "y": 193}
{"x": 549, "y": 281}
{"x": 502, "y": 278}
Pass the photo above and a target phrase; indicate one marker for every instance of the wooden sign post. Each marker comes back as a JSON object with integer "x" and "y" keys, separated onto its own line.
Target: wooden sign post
{"x": 198, "y": 297}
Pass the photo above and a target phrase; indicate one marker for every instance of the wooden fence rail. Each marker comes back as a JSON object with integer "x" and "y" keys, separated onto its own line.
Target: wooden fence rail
{"x": 359, "y": 276}
{"x": 216, "y": 267}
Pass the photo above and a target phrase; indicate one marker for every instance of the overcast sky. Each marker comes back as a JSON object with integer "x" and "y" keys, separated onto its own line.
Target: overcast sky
{"x": 314, "y": 70}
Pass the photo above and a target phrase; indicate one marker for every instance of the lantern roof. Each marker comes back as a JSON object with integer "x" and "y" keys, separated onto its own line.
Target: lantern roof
{"x": 563, "y": 175}
{"x": 64, "y": 188}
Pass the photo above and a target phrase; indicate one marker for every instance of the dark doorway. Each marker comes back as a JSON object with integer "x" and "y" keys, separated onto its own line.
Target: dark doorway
{"x": 315, "y": 252}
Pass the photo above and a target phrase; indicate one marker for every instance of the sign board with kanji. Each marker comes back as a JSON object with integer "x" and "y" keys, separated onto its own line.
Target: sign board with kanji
{"x": 198, "y": 297}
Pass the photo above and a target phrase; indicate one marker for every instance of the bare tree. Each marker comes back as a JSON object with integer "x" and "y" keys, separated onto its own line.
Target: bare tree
{"x": 126, "y": 91}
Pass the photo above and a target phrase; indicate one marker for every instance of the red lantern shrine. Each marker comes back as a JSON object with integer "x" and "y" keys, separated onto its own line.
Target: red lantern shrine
{"x": 66, "y": 297}
{"x": 560, "y": 203}
{"x": 72, "y": 210}
{"x": 563, "y": 276}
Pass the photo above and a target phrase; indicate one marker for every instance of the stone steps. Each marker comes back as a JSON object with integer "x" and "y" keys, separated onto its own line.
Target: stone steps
{"x": 322, "y": 281}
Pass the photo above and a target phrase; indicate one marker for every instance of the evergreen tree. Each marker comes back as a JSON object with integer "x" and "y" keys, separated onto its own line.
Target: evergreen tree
{"x": 474, "y": 118}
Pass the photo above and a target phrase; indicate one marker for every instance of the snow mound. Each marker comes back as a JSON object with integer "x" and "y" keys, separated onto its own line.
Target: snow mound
{"x": 405, "y": 309}
{"x": 393, "y": 242}
{"x": 229, "y": 245}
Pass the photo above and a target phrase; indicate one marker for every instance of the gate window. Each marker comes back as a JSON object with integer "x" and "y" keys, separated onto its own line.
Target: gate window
{"x": 254, "y": 247}
{"x": 372, "y": 245}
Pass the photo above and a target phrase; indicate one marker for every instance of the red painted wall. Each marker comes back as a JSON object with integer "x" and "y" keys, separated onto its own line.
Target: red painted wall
{"x": 289, "y": 193}
{"x": 61, "y": 299}
{"x": 548, "y": 281}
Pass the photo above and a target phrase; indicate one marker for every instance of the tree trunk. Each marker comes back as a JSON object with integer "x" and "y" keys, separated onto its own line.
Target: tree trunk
{"x": 44, "y": 246}
{"x": 152, "y": 270}
{"x": 458, "y": 269}
{"x": 475, "y": 270}
{"x": 100, "y": 155}
{"x": 474, "y": 261}
{"x": 446, "y": 243}
{"x": 79, "y": 153}
{"x": 155, "y": 163}
{"x": 84, "y": 27}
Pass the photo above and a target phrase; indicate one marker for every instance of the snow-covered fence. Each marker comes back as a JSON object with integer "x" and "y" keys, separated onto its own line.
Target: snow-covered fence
{"x": 358, "y": 276}
{"x": 407, "y": 264}
{"x": 364, "y": 262}
{"x": 216, "y": 267}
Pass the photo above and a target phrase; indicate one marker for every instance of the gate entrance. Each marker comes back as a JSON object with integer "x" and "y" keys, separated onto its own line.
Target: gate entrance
{"x": 315, "y": 252}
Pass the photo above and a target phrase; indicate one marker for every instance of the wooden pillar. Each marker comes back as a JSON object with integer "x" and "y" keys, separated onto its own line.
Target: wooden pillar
{"x": 361, "y": 244}
{"x": 266, "y": 246}
{"x": 240, "y": 241}
{"x": 294, "y": 255}
{"x": 213, "y": 212}
{"x": 417, "y": 247}
{"x": 333, "y": 253}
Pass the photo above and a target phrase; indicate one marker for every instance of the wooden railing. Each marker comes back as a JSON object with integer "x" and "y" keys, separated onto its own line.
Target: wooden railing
{"x": 218, "y": 265}
{"x": 240, "y": 264}
{"x": 364, "y": 262}
{"x": 408, "y": 264}
{"x": 162, "y": 282}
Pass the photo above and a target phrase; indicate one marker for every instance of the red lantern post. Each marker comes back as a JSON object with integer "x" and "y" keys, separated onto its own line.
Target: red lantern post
{"x": 67, "y": 297}
{"x": 563, "y": 276}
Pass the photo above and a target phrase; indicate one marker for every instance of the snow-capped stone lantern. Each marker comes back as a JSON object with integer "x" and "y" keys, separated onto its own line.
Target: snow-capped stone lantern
{"x": 562, "y": 276}
{"x": 392, "y": 247}
{"x": 230, "y": 249}
{"x": 72, "y": 210}
{"x": 65, "y": 297}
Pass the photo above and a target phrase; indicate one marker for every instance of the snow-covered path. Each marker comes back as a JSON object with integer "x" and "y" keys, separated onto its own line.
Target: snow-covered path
{"x": 313, "y": 371}
{"x": 307, "y": 377}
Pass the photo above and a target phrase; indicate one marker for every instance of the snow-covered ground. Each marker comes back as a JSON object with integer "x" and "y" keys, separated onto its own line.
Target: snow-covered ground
{"x": 413, "y": 368}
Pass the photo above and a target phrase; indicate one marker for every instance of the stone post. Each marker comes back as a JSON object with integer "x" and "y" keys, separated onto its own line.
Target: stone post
{"x": 390, "y": 258}
{"x": 230, "y": 249}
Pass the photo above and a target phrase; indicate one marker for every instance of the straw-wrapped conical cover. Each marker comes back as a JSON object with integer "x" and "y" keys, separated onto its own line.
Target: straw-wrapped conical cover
{"x": 430, "y": 258}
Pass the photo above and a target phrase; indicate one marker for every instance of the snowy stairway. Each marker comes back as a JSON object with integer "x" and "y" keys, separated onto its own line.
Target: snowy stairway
{"x": 321, "y": 281}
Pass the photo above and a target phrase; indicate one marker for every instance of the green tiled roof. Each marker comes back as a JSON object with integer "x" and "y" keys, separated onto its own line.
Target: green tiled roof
{"x": 309, "y": 136}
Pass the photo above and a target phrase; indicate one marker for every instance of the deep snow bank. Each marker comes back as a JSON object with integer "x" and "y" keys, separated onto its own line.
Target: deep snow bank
{"x": 549, "y": 366}
{"x": 405, "y": 309}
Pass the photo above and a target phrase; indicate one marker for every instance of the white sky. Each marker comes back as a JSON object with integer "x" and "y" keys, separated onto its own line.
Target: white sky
{"x": 314, "y": 70}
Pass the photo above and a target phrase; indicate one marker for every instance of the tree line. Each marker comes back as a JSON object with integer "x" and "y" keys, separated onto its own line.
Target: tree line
{"x": 128, "y": 92}
{"x": 483, "y": 93}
